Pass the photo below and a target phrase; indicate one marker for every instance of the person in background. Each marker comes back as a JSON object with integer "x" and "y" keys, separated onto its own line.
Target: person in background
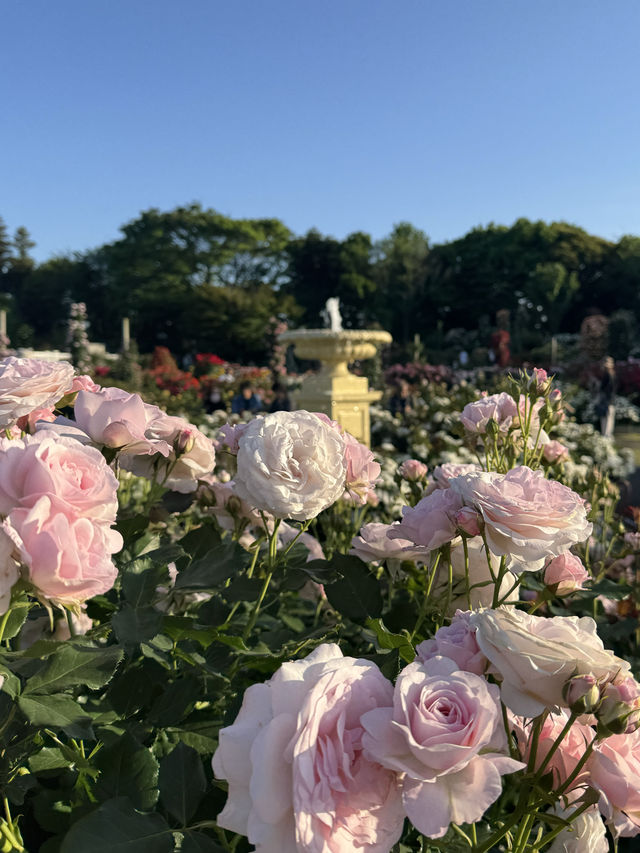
{"x": 605, "y": 406}
{"x": 401, "y": 402}
{"x": 281, "y": 401}
{"x": 246, "y": 401}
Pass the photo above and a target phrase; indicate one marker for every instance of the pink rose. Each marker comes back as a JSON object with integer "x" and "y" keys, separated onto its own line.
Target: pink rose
{"x": 116, "y": 419}
{"x": 373, "y": 544}
{"x": 500, "y": 408}
{"x": 540, "y": 379}
{"x": 457, "y": 642}
{"x": 566, "y": 572}
{"x": 431, "y": 522}
{"x": 445, "y": 734}
{"x": 554, "y": 452}
{"x": 27, "y": 384}
{"x": 572, "y": 747}
{"x": 60, "y": 468}
{"x": 230, "y": 435}
{"x": 299, "y": 779}
{"x": 83, "y": 383}
{"x": 614, "y": 769}
{"x": 27, "y": 423}
{"x": 362, "y": 469}
{"x": 68, "y": 558}
{"x": 191, "y": 455}
{"x": 526, "y": 517}
{"x": 412, "y": 470}
{"x": 481, "y": 583}
{"x": 443, "y": 474}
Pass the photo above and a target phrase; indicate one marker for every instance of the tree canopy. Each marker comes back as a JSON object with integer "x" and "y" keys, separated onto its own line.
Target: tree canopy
{"x": 195, "y": 279}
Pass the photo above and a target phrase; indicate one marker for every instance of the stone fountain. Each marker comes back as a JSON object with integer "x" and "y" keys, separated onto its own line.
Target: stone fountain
{"x": 334, "y": 390}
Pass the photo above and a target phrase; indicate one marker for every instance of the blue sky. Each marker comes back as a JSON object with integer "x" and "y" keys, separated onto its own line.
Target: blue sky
{"x": 342, "y": 114}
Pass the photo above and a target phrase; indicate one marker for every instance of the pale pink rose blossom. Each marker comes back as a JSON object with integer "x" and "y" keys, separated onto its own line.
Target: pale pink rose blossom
{"x": 467, "y": 519}
{"x": 61, "y": 468}
{"x": 291, "y": 464}
{"x": 229, "y": 436}
{"x": 191, "y": 457}
{"x": 457, "y": 642}
{"x": 500, "y": 408}
{"x": 571, "y": 749}
{"x": 530, "y": 412}
{"x": 83, "y": 383}
{"x": 27, "y": 423}
{"x": 445, "y": 734}
{"x": 554, "y": 452}
{"x": 566, "y": 572}
{"x": 373, "y": 545}
{"x": 299, "y": 779}
{"x": 27, "y": 384}
{"x": 363, "y": 471}
{"x": 614, "y": 770}
{"x": 412, "y": 470}
{"x": 536, "y": 656}
{"x": 540, "y": 378}
{"x": 526, "y": 517}
{"x": 442, "y": 475}
{"x": 117, "y": 419}
{"x": 68, "y": 559}
{"x": 431, "y": 522}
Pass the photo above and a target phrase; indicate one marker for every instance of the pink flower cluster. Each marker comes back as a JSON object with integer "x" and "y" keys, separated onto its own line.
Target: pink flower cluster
{"x": 149, "y": 442}
{"x": 523, "y": 516}
{"x": 58, "y": 502}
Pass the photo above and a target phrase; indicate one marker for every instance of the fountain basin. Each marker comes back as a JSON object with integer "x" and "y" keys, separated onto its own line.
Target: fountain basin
{"x": 334, "y": 390}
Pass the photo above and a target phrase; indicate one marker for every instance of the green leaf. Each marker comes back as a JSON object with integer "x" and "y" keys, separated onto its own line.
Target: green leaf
{"x": 200, "y": 540}
{"x": 17, "y": 617}
{"x": 127, "y": 769}
{"x": 139, "y": 588}
{"x": 175, "y": 701}
{"x": 116, "y": 827}
{"x": 386, "y": 640}
{"x": 47, "y": 759}
{"x": 184, "y": 628}
{"x": 73, "y": 665}
{"x": 136, "y": 687}
{"x": 56, "y": 712}
{"x": 135, "y": 626}
{"x": 357, "y": 593}
{"x": 320, "y": 571}
{"x": 212, "y": 569}
{"x": 182, "y": 783}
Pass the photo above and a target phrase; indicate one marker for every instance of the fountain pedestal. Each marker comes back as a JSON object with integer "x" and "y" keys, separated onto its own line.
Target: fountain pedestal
{"x": 334, "y": 390}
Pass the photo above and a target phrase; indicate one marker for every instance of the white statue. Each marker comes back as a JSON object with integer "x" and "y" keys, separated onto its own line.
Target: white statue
{"x": 332, "y": 314}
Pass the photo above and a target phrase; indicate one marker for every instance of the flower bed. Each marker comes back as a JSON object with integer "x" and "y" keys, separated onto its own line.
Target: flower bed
{"x": 272, "y": 638}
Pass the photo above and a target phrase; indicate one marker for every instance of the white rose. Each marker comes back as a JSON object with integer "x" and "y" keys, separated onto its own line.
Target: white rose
{"x": 290, "y": 464}
{"x": 536, "y": 656}
{"x": 27, "y": 384}
{"x": 373, "y": 545}
{"x": 586, "y": 834}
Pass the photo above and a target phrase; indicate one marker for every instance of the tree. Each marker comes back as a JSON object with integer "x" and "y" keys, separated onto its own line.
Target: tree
{"x": 23, "y": 244}
{"x": 553, "y": 288}
{"x": 400, "y": 273}
{"x": 322, "y": 267}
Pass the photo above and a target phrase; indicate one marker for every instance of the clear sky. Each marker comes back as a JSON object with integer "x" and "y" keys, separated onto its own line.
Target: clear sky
{"x": 340, "y": 114}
